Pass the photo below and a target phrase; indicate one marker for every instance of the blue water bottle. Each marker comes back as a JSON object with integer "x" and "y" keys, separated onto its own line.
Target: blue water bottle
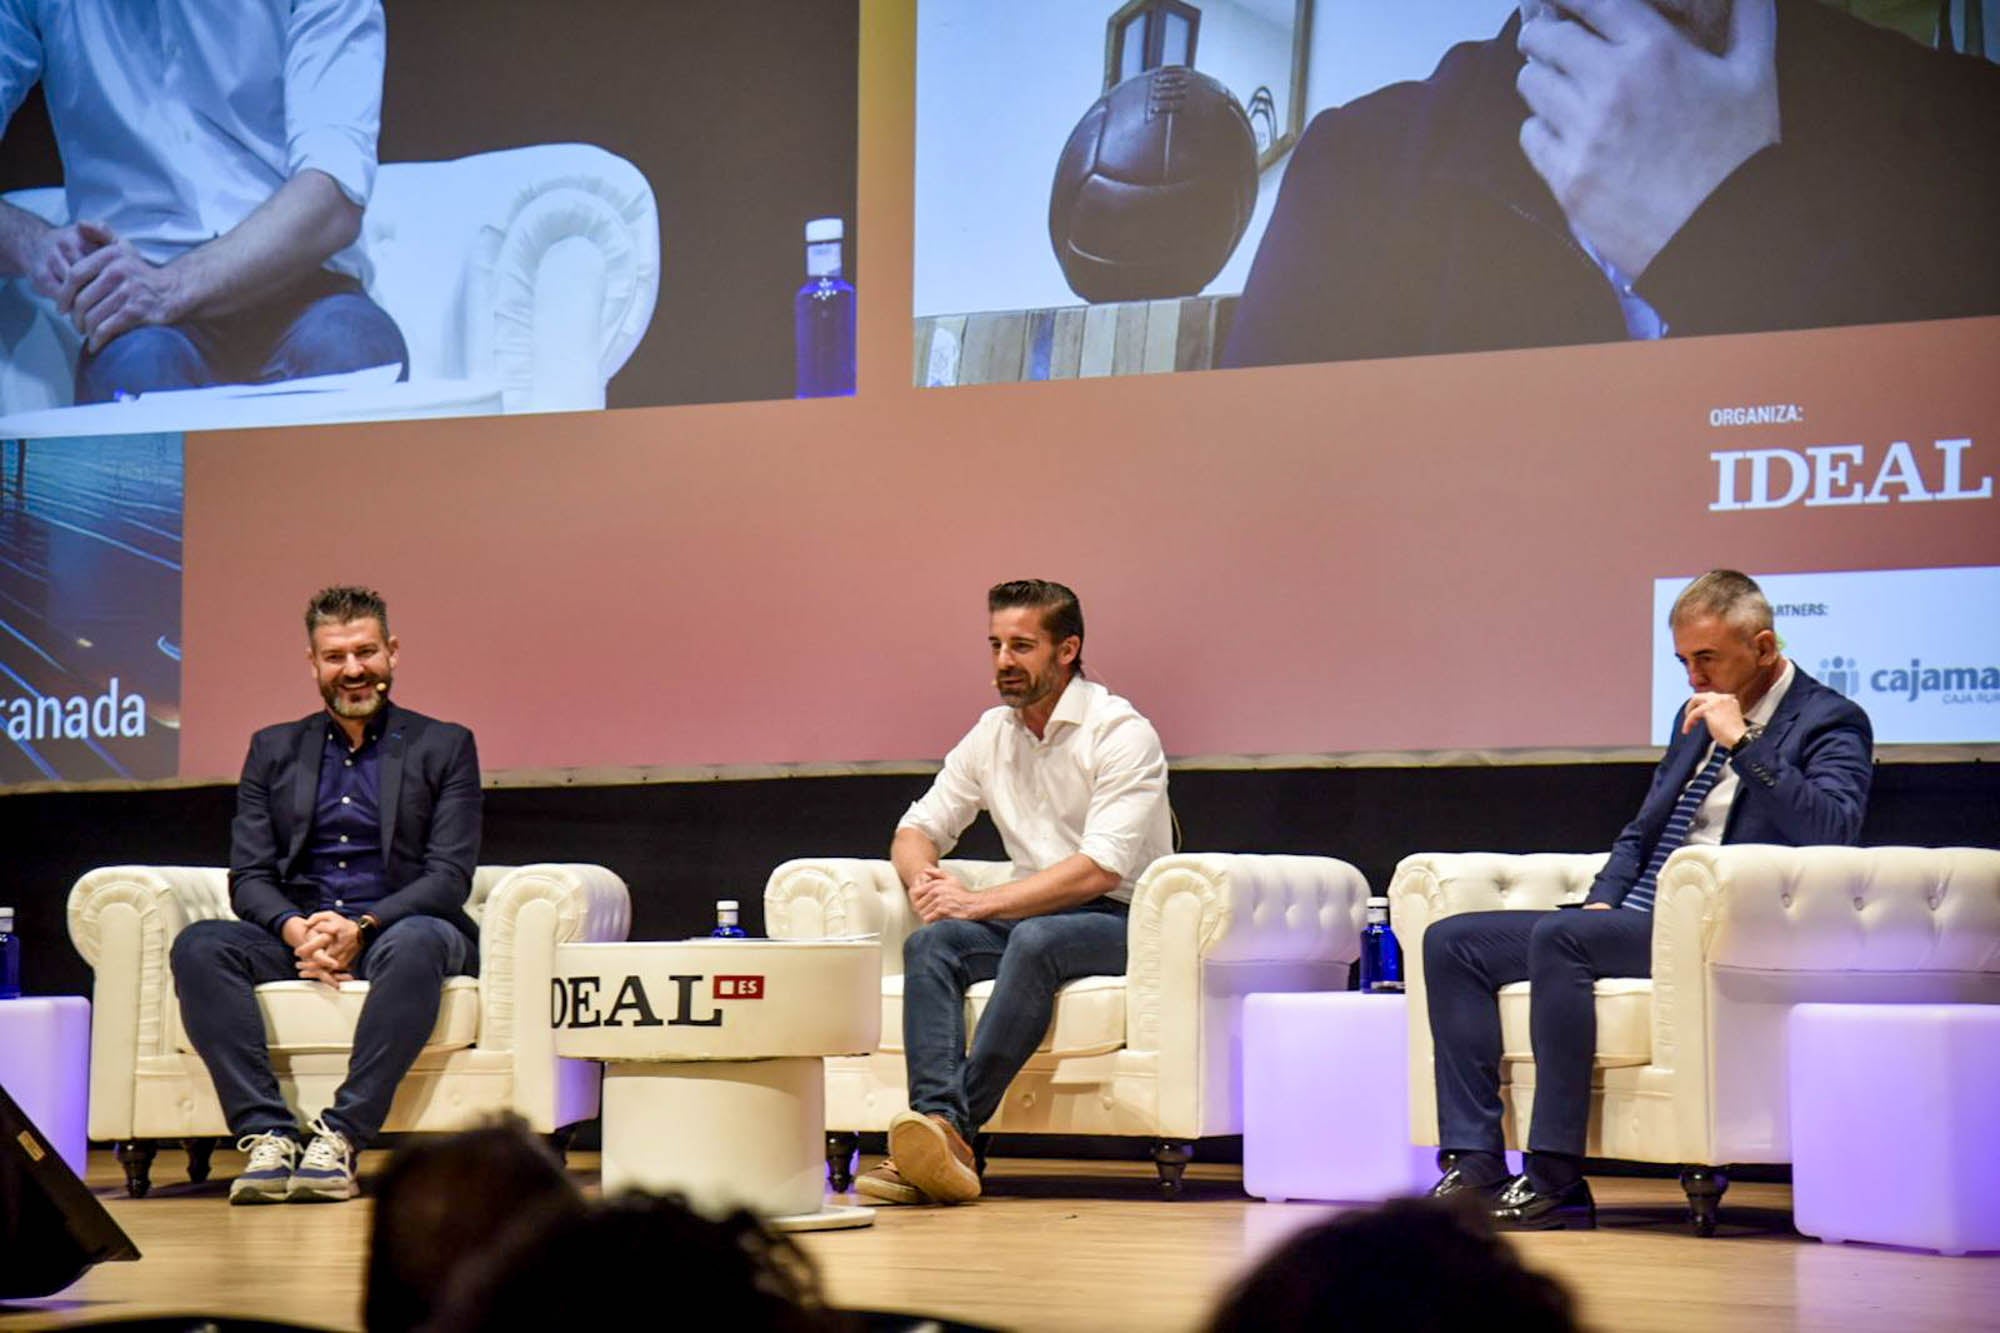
{"x": 1381, "y": 956}
{"x": 10, "y": 957}
{"x": 726, "y": 927}
{"x": 823, "y": 316}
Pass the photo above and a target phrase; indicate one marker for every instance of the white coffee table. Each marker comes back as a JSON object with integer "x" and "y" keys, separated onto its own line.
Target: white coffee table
{"x": 714, "y": 1064}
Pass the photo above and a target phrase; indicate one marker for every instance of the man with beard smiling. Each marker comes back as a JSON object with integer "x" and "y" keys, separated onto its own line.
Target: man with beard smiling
{"x": 1076, "y": 784}
{"x": 1636, "y": 169}
{"x": 351, "y": 858}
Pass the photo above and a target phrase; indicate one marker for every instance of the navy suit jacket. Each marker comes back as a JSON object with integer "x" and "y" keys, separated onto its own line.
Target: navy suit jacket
{"x": 430, "y": 802}
{"x": 1804, "y": 781}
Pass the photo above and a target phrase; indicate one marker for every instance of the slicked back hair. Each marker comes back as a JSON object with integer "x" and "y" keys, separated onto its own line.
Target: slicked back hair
{"x": 1062, "y": 614}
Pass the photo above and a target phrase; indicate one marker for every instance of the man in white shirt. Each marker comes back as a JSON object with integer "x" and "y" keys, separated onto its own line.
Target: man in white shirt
{"x": 216, "y": 159}
{"x": 1076, "y": 783}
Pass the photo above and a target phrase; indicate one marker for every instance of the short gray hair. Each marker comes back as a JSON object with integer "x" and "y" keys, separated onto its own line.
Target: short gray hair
{"x": 1733, "y": 597}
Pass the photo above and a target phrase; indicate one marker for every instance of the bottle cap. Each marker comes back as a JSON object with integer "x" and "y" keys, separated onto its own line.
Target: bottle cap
{"x": 6, "y": 918}
{"x": 1378, "y": 902}
{"x": 824, "y": 229}
{"x": 725, "y": 905}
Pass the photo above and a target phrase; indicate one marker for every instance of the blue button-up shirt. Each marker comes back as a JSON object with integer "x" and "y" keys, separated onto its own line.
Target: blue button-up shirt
{"x": 344, "y": 850}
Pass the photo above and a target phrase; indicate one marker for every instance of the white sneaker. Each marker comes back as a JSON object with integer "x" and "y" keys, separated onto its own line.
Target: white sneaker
{"x": 326, "y": 1173}
{"x": 267, "y": 1176}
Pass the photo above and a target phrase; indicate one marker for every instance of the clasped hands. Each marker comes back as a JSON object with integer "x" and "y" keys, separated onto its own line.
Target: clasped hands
{"x": 1634, "y": 123}
{"x": 940, "y": 896}
{"x": 326, "y": 945}
{"x": 102, "y": 282}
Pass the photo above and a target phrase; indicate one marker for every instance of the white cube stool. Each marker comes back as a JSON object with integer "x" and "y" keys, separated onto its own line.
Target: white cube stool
{"x": 45, "y": 1067}
{"x": 1326, "y": 1099}
{"x": 1896, "y": 1124}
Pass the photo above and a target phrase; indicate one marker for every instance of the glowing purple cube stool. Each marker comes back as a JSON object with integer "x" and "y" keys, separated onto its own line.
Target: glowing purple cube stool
{"x": 1326, "y": 1099}
{"x": 1896, "y": 1124}
{"x": 45, "y": 1067}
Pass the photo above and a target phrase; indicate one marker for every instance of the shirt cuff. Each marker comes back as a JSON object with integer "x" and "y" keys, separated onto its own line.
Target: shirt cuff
{"x": 1112, "y": 853}
{"x": 341, "y": 154}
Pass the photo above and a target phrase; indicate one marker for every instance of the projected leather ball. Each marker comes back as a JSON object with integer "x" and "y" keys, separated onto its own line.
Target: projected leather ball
{"x": 1154, "y": 188}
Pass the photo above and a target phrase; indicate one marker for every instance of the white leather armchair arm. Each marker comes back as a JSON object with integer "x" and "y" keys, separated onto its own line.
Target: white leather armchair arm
{"x": 123, "y": 920}
{"x": 1432, "y": 885}
{"x": 525, "y": 915}
{"x": 1207, "y": 930}
{"x": 1742, "y": 933}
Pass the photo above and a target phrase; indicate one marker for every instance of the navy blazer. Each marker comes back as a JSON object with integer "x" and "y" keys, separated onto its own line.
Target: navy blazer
{"x": 1804, "y": 781}
{"x": 430, "y": 803}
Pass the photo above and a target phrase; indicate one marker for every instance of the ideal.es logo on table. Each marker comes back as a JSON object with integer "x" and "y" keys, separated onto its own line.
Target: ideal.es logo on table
{"x": 588, "y": 1002}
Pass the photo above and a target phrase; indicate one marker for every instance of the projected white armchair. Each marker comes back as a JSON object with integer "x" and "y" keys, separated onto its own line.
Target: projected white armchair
{"x": 1691, "y": 1064}
{"x": 1154, "y": 1053}
{"x": 492, "y": 1050}
{"x": 521, "y": 279}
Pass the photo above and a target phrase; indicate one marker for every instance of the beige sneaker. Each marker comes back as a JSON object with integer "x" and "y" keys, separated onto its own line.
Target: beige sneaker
{"x": 932, "y": 1155}
{"x": 885, "y": 1184}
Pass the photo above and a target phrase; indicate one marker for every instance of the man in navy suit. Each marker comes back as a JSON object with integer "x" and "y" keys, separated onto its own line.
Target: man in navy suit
{"x": 1761, "y": 753}
{"x": 351, "y": 858}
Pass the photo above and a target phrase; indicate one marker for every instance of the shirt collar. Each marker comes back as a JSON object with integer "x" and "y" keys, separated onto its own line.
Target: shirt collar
{"x": 1070, "y": 709}
{"x": 1768, "y": 705}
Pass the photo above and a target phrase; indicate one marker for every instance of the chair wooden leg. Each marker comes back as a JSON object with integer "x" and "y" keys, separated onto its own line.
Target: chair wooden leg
{"x": 1704, "y": 1186}
{"x": 840, "y": 1149}
{"x": 199, "y": 1152}
{"x": 559, "y": 1141}
{"x": 1170, "y": 1158}
{"x": 136, "y": 1156}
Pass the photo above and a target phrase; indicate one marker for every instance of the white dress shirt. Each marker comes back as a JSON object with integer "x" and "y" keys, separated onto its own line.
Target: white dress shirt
{"x": 1713, "y": 812}
{"x": 1095, "y": 783}
{"x": 178, "y": 118}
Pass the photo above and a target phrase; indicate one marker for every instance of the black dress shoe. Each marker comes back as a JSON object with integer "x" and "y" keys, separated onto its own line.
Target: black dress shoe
{"x": 1455, "y": 1182}
{"x": 1520, "y": 1207}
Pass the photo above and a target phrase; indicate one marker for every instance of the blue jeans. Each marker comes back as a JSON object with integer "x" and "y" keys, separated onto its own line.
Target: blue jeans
{"x": 322, "y": 326}
{"x": 1467, "y": 959}
{"x": 1026, "y": 961}
{"x": 218, "y": 963}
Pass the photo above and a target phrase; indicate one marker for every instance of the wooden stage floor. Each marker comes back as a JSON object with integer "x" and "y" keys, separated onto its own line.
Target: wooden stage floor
{"x": 1073, "y": 1245}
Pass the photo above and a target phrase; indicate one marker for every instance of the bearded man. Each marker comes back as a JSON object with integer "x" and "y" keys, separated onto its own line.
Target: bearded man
{"x": 351, "y": 858}
{"x": 1076, "y": 784}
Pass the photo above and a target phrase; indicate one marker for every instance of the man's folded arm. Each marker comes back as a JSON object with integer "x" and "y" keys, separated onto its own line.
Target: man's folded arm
{"x": 1824, "y": 797}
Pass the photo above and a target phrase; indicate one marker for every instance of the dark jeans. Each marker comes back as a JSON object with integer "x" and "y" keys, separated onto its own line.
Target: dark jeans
{"x": 1026, "y": 961}
{"x": 319, "y": 327}
{"x": 1468, "y": 958}
{"x": 218, "y": 963}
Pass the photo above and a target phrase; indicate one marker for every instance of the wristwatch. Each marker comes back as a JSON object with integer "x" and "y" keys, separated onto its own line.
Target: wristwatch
{"x": 1750, "y": 733}
{"x": 370, "y": 928}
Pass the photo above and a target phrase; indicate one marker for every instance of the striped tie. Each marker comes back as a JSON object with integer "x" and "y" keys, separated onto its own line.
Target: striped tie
{"x": 1640, "y": 897}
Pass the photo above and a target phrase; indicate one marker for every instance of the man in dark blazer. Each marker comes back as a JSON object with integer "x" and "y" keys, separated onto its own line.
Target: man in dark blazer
{"x": 351, "y": 858}
{"x": 1762, "y": 753}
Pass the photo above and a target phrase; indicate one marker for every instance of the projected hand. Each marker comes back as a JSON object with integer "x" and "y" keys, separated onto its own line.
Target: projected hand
{"x": 114, "y": 289}
{"x": 1723, "y": 715}
{"x": 939, "y": 896}
{"x": 56, "y": 252}
{"x": 1633, "y": 124}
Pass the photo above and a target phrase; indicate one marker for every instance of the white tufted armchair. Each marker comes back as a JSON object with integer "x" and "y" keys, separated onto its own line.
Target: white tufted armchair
{"x": 492, "y": 1048}
{"x": 1156, "y": 1052}
{"x": 521, "y": 279}
{"x": 1691, "y": 1064}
